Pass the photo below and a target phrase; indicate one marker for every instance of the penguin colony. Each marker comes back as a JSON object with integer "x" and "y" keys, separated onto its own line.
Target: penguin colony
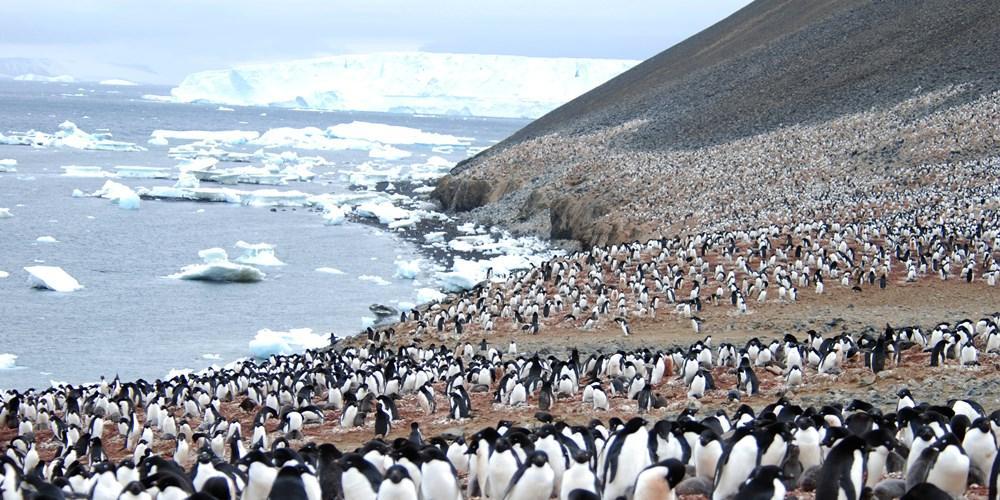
{"x": 920, "y": 157}
{"x": 175, "y": 441}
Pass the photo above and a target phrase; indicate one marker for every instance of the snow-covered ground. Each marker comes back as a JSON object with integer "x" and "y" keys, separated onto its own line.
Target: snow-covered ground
{"x": 407, "y": 82}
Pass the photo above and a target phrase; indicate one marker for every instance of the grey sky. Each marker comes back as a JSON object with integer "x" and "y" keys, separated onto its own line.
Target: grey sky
{"x": 108, "y": 38}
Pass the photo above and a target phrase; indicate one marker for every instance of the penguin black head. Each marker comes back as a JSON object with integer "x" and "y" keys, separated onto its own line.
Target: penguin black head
{"x": 538, "y": 459}
{"x": 396, "y": 474}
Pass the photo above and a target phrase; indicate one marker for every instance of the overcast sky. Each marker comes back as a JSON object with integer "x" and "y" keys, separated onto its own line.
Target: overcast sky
{"x": 107, "y": 38}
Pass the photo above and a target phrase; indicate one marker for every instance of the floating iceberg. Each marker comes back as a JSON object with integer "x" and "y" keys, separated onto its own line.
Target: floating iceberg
{"x": 4, "y": 274}
{"x": 386, "y": 213}
{"x": 70, "y": 136}
{"x": 224, "y": 136}
{"x": 407, "y": 269}
{"x": 384, "y": 152}
{"x": 119, "y": 194}
{"x": 31, "y": 77}
{"x": 211, "y": 356}
{"x": 117, "y": 83}
{"x": 52, "y": 278}
{"x": 329, "y": 270}
{"x": 334, "y": 215}
{"x": 84, "y": 171}
{"x": 392, "y": 134}
{"x": 217, "y": 267}
{"x": 8, "y": 361}
{"x": 270, "y": 343}
{"x": 136, "y": 172}
{"x": 416, "y": 82}
{"x": 46, "y": 239}
{"x": 5, "y": 213}
{"x": 8, "y": 165}
{"x": 258, "y": 254}
{"x": 378, "y": 280}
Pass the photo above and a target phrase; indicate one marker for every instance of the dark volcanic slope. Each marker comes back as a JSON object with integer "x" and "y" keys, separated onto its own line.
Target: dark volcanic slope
{"x": 780, "y": 62}
{"x": 772, "y": 65}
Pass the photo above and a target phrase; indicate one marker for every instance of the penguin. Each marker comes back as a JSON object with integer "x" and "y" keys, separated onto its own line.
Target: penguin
{"x": 658, "y": 481}
{"x": 545, "y": 396}
{"x": 765, "y": 483}
{"x": 927, "y": 491}
{"x": 949, "y": 469}
{"x": 291, "y": 483}
{"x": 747, "y": 379}
{"x": 706, "y": 454}
{"x": 701, "y": 382}
{"x": 625, "y": 455}
{"x": 579, "y": 476}
{"x": 439, "y": 478}
{"x": 740, "y": 457}
{"x": 842, "y": 474}
{"x": 360, "y": 480}
{"x": 397, "y": 485}
{"x": 980, "y": 445}
{"x": 794, "y": 376}
{"x": 533, "y": 480}
{"x": 383, "y": 419}
{"x": 501, "y": 466}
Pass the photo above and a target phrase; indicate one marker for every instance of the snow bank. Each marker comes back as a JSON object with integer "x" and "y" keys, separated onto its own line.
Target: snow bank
{"x": 415, "y": 82}
{"x": 52, "y": 278}
{"x": 426, "y": 295}
{"x": 117, "y": 83}
{"x": 217, "y": 267}
{"x": 407, "y": 269}
{"x": 8, "y": 165}
{"x": 268, "y": 342}
{"x": 258, "y": 254}
{"x": 8, "y": 361}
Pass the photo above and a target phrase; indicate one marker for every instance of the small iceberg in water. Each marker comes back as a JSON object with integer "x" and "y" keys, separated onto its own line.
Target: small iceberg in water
{"x": 217, "y": 267}
{"x": 258, "y": 254}
{"x": 268, "y": 342}
{"x": 52, "y": 278}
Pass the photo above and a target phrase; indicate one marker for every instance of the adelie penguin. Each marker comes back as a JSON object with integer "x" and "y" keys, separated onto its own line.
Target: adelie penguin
{"x": 765, "y": 483}
{"x": 397, "y": 485}
{"x": 658, "y": 481}
{"x": 533, "y": 480}
{"x": 842, "y": 475}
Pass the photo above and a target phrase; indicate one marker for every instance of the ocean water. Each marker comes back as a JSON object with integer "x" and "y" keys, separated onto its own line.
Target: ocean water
{"x": 132, "y": 321}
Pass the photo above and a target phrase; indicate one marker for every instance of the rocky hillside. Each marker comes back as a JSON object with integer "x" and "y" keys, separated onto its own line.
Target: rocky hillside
{"x": 786, "y": 110}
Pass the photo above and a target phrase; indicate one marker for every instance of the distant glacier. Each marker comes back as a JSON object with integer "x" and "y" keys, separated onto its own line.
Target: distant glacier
{"x": 413, "y": 82}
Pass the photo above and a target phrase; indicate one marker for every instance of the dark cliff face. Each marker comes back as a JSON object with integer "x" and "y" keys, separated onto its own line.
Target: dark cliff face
{"x": 772, "y": 64}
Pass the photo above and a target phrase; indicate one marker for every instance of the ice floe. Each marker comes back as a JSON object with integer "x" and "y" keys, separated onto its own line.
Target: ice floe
{"x": 85, "y": 171}
{"x": 217, "y": 267}
{"x": 8, "y": 165}
{"x": 32, "y": 77}
{"x": 46, "y": 239}
{"x": 378, "y": 280}
{"x": 393, "y": 134}
{"x": 5, "y": 213}
{"x": 224, "y": 136}
{"x": 69, "y": 136}
{"x": 273, "y": 343}
{"x": 52, "y": 278}
{"x": 120, "y": 194}
{"x": 329, "y": 270}
{"x": 211, "y": 356}
{"x": 407, "y": 269}
{"x": 140, "y": 172}
{"x": 257, "y": 254}
{"x": 8, "y": 361}
{"x": 117, "y": 83}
